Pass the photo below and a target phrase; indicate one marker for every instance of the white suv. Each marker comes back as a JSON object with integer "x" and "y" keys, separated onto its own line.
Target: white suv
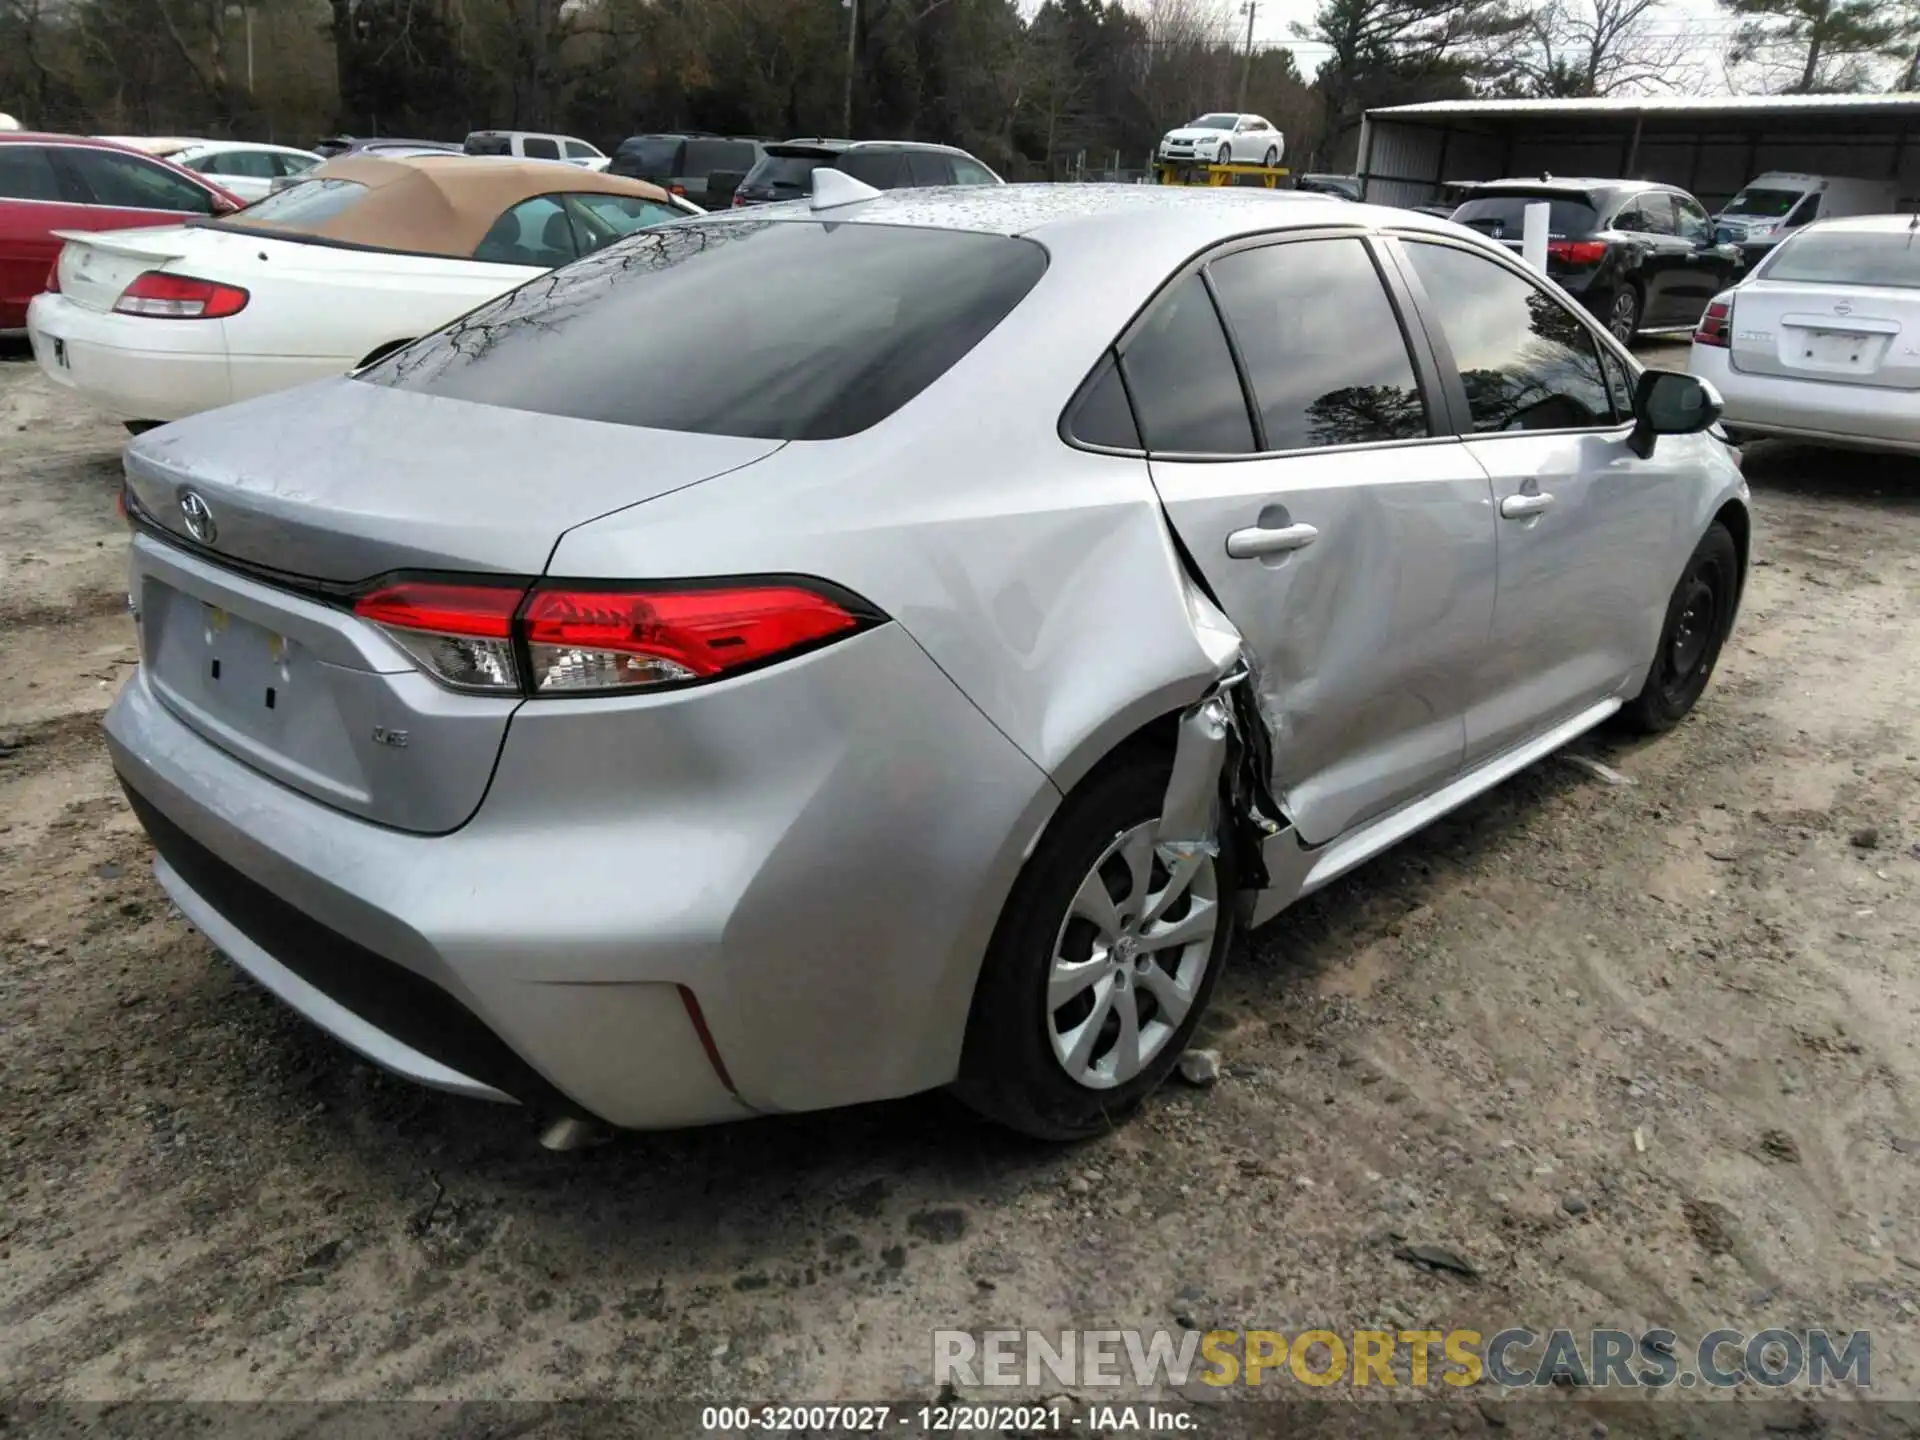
{"x": 1222, "y": 139}
{"x": 532, "y": 145}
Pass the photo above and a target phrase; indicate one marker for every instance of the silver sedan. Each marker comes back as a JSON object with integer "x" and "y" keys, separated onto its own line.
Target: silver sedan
{"x": 893, "y": 641}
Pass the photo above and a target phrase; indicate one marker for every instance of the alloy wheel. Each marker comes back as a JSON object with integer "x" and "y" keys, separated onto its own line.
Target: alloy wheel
{"x": 1624, "y": 318}
{"x": 1129, "y": 958}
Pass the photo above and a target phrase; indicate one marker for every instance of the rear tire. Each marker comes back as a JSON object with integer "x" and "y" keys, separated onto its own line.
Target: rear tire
{"x": 1273, "y": 157}
{"x": 1622, "y": 316}
{"x": 1699, "y": 618}
{"x": 1072, "y": 973}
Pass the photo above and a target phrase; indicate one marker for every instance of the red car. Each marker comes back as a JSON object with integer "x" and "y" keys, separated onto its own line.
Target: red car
{"x": 67, "y": 182}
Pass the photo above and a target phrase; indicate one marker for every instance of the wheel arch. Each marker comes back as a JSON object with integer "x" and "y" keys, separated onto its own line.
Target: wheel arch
{"x": 1739, "y": 522}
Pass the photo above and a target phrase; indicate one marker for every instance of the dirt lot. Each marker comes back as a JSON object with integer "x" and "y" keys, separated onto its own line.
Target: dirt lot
{"x": 203, "y": 1197}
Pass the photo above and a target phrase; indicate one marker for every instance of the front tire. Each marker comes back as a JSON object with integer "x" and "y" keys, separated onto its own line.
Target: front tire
{"x": 1699, "y": 618}
{"x": 1101, "y": 966}
{"x": 1273, "y": 157}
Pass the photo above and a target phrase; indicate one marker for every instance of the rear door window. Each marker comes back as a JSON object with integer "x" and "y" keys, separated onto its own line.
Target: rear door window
{"x": 868, "y": 317}
{"x": 129, "y": 182}
{"x": 1323, "y": 349}
{"x": 26, "y": 173}
{"x": 254, "y": 164}
{"x": 1525, "y": 360}
{"x": 882, "y": 169}
{"x": 540, "y": 147}
{"x": 968, "y": 171}
{"x": 929, "y": 167}
{"x": 1181, "y": 376}
{"x": 294, "y": 164}
{"x": 1656, "y": 215}
{"x": 534, "y": 232}
{"x": 580, "y": 150}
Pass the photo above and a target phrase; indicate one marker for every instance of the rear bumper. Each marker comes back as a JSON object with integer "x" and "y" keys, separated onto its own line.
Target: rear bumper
{"x": 816, "y": 854}
{"x": 1820, "y": 412}
{"x": 134, "y": 367}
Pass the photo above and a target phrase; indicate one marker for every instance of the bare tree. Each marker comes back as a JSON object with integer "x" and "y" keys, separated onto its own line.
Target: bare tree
{"x": 1606, "y": 47}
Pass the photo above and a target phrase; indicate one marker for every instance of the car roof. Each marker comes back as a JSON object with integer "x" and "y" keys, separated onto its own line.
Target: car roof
{"x": 255, "y": 145}
{"x": 1147, "y": 229}
{"x": 1572, "y": 185}
{"x": 90, "y": 142}
{"x": 1868, "y": 225}
{"x": 829, "y": 145}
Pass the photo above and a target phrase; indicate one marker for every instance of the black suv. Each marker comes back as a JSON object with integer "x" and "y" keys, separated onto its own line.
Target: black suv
{"x": 1641, "y": 256}
{"x": 702, "y": 168}
{"x": 785, "y": 172}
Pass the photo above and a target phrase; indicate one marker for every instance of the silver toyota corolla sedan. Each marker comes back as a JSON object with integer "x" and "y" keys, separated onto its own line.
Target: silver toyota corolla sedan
{"x": 892, "y": 641}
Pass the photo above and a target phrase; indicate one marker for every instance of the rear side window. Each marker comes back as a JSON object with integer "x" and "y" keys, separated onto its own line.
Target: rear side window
{"x": 1839, "y": 257}
{"x": 1323, "y": 349}
{"x": 869, "y": 316}
{"x": 785, "y": 174}
{"x": 1504, "y": 216}
{"x": 929, "y": 167}
{"x": 882, "y": 169}
{"x": 1526, "y": 361}
{"x": 1102, "y": 414}
{"x": 580, "y": 150}
{"x": 27, "y": 174}
{"x": 129, "y": 182}
{"x": 602, "y": 219}
{"x": 706, "y": 156}
{"x": 489, "y": 145}
{"x": 1182, "y": 378}
{"x": 650, "y": 157}
{"x": 539, "y": 147}
{"x": 534, "y": 232}
{"x": 308, "y": 203}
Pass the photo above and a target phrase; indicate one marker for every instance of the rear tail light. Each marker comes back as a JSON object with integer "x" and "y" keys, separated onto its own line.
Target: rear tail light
{"x": 680, "y": 190}
{"x": 1577, "y": 252}
{"x": 1714, "y": 325}
{"x": 561, "y": 640}
{"x": 739, "y": 201}
{"x": 180, "y": 297}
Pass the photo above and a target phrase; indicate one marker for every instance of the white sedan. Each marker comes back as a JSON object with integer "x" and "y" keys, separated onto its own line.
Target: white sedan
{"x": 156, "y": 324}
{"x": 243, "y": 167}
{"x": 1225, "y": 139}
{"x": 1821, "y": 343}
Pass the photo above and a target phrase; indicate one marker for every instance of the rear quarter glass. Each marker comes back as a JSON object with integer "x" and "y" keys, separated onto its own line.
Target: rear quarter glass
{"x": 869, "y": 316}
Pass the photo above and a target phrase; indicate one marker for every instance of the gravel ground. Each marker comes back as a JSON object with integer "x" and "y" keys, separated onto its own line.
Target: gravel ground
{"x": 1458, "y": 1045}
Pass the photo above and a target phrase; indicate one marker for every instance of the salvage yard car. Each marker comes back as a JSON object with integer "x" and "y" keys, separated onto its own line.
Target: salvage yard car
{"x": 910, "y": 684}
{"x": 1641, "y": 256}
{"x": 1224, "y": 140}
{"x": 346, "y": 265}
{"x": 1816, "y": 344}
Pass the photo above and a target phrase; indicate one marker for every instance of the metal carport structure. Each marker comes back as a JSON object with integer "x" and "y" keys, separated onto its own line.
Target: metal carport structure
{"x": 1710, "y": 146}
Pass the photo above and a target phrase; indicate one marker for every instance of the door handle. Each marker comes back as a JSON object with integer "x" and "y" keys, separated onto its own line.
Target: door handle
{"x": 1518, "y": 507}
{"x": 1253, "y": 542}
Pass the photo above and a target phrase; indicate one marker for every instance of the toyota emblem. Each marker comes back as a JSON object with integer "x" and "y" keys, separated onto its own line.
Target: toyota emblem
{"x": 199, "y": 518}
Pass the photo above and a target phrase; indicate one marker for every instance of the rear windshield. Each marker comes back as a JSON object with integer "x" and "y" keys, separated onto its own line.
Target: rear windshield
{"x": 489, "y": 145}
{"x": 781, "y": 330}
{"x": 785, "y": 172}
{"x": 307, "y": 203}
{"x": 1504, "y": 216}
{"x": 706, "y": 156}
{"x": 649, "y": 156}
{"x": 1837, "y": 257}
{"x": 1770, "y": 204}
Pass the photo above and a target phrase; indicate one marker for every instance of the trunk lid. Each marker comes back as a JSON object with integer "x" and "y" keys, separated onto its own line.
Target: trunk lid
{"x": 331, "y": 485}
{"x": 1855, "y": 334}
{"x": 340, "y": 481}
{"x": 95, "y": 266}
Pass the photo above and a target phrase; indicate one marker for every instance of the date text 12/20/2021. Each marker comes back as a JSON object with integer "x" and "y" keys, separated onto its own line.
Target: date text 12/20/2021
{"x": 956, "y": 1419}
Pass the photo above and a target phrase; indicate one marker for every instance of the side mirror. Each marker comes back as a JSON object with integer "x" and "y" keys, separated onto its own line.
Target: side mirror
{"x": 1670, "y": 402}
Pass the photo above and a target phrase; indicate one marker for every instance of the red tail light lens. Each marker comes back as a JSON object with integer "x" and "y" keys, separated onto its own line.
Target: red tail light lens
{"x": 1716, "y": 326}
{"x": 1577, "y": 252}
{"x": 476, "y": 635}
{"x": 583, "y": 640}
{"x": 461, "y": 634}
{"x": 180, "y": 297}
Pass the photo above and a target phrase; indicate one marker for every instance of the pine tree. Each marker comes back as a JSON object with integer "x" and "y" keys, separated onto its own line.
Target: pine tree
{"x": 1816, "y": 45}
